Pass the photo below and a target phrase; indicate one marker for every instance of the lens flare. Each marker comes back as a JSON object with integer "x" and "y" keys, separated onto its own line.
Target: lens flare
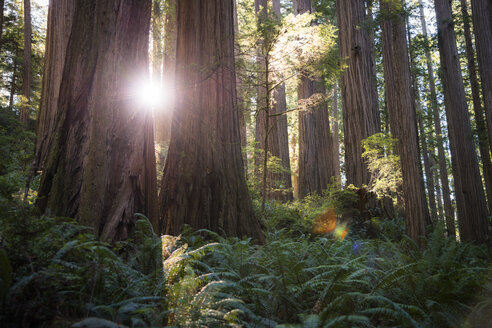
{"x": 327, "y": 222}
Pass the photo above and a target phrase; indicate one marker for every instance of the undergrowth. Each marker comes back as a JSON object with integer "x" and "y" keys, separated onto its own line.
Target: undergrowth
{"x": 55, "y": 273}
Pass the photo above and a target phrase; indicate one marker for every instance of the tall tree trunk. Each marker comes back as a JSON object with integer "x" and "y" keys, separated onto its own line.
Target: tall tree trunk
{"x": 266, "y": 136}
{"x": 402, "y": 115}
{"x": 470, "y": 198}
{"x": 241, "y": 110}
{"x": 13, "y": 86}
{"x": 163, "y": 116}
{"x": 422, "y": 137}
{"x": 483, "y": 142}
{"x": 60, "y": 16}
{"x": 358, "y": 88}
{"x": 482, "y": 26}
{"x": 335, "y": 134}
{"x": 26, "y": 80}
{"x": 100, "y": 165}
{"x": 315, "y": 165}
{"x": 283, "y": 134}
{"x": 204, "y": 184}
{"x": 443, "y": 170}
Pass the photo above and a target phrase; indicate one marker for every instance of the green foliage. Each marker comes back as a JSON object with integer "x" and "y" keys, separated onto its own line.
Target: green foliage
{"x": 383, "y": 163}
{"x": 62, "y": 273}
{"x": 16, "y": 149}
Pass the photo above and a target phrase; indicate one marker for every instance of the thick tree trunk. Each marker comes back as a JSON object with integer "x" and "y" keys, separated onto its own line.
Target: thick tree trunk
{"x": 402, "y": 116}
{"x": 25, "y": 108}
{"x": 315, "y": 164}
{"x": 443, "y": 169}
{"x": 482, "y": 26}
{"x": 100, "y": 165}
{"x": 470, "y": 198}
{"x": 60, "y": 16}
{"x": 358, "y": 88}
{"x": 483, "y": 142}
{"x": 203, "y": 184}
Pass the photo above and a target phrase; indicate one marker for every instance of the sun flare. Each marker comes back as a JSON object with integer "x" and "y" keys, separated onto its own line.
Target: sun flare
{"x": 153, "y": 94}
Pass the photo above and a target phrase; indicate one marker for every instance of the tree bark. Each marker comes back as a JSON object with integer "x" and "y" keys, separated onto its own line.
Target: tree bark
{"x": 422, "y": 137}
{"x": 335, "y": 134}
{"x": 283, "y": 134}
{"x": 100, "y": 165}
{"x": 240, "y": 101}
{"x": 483, "y": 142}
{"x": 402, "y": 116}
{"x": 25, "y": 108}
{"x": 13, "y": 86}
{"x": 315, "y": 164}
{"x": 204, "y": 184}
{"x": 482, "y": 26}
{"x": 470, "y": 198}
{"x": 60, "y": 17}
{"x": 358, "y": 88}
{"x": 443, "y": 170}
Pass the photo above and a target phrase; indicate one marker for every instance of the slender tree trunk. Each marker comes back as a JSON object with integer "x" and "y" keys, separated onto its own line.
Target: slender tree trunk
{"x": 443, "y": 170}
{"x": 335, "y": 134}
{"x": 100, "y": 166}
{"x": 440, "y": 207}
{"x": 283, "y": 134}
{"x": 470, "y": 198}
{"x": 204, "y": 184}
{"x": 358, "y": 88}
{"x": 483, "y": 142}
{"x": 163, "y": 116}
{"x": 402, "y": 115}
{"x": 26, "y": 80}
{"x": 240, "y": 101}
{"x": 423, "y": 140}
{"x": 482, "y": 26}
{"x": 60, "y": 16}
{"x": 315, "y": 148}
{"x": 266, "y": 136}
{"x": 13, "y": 87}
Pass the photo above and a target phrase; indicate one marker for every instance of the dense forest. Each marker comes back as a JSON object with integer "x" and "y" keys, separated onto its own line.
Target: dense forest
{"x": 245, "y": 163}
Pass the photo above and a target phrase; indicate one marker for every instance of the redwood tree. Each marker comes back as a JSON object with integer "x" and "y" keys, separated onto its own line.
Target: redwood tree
{"x": 402, "y": 115}
{"x": 100, "y": 165}
{"x": 483, "y": 140}
{"x": 203, "y": 183}
{"x": 443, "y": 166}
{"x": 26, "y": 77}
{"x": 60, "y": 15}
{"x": 358, "y": 88}
{"x": 470, "y": 198}
{"x": 315, "y": 165}
{"x": 482, "y": 26}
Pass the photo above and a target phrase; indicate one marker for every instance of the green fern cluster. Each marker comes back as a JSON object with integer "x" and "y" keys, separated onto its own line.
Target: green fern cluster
{"x": 55, "y": 273}
{"x": 323, "y": 282}
{"x": 62, "y": 273}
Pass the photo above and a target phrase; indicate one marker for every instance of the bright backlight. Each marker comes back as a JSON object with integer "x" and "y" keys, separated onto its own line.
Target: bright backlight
{"x": 155, "y": 95}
